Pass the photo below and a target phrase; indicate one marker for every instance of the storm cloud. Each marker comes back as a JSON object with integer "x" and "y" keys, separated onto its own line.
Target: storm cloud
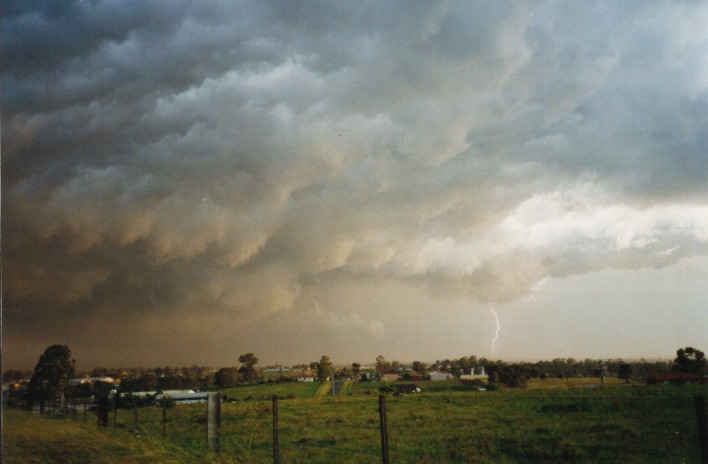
{"x": 277, "y": 176}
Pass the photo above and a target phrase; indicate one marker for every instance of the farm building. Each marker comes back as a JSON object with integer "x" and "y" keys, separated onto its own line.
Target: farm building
{"x": 184, "y": 396}
{"x": 475, "y": 374}
{"x": 438, "y": 376}
{"x": 675, "y": 378}
{"x": 180, "y": 396}
{"x": 276, "y": 370}
{"x": 389, "y": 377}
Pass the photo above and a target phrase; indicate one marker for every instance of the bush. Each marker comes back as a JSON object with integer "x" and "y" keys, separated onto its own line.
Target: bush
{"x": 166, "y": 402}
{"x": 130, "y": 401}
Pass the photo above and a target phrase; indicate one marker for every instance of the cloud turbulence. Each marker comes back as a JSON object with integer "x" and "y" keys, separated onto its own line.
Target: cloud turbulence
{"x": 184, "y": 182}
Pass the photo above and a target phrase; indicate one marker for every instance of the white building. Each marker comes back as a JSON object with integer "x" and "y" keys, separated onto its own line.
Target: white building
{"x": 478, "y": 375}
{"x": 438, "y": 376}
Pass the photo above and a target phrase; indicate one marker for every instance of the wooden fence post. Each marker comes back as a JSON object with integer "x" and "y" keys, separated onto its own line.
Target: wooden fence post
{"x": 702, "y": 418}
{"x": 384, "y": 429}
{"x": 164, "y": 416}
{"x": 102, "y": 410}
{"x": 115, "y": 409}
{"x": 214, "y": 421}
{"x": 276, "y": 445}
{"x": 135, "y": 415}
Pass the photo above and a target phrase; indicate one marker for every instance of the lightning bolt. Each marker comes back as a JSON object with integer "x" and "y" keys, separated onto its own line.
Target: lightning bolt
{"x": 496, "y": 334}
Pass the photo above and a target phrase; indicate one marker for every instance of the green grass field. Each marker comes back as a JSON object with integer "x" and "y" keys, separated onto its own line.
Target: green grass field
{"x": 266, "y": 391}
{"x": 543, "y": 423}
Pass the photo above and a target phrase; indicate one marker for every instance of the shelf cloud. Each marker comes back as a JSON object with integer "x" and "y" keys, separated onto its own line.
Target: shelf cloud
{"x": 199, "y": 169}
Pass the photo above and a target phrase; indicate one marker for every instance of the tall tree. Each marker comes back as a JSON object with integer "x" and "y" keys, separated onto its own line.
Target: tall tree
{"x": 382, "y": 366}
{"x": 356, "y": 368}
{"x": 52, "y": 373}
{"x": 248, "y": 370}
{"x": 690, "y": 359}
{"x": 624, "y": 371}
{"x": 324, "y": 368}
{"x": 420, "y": 367}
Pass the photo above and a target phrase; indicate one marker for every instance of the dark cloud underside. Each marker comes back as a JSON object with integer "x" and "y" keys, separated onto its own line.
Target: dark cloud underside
{"x": 239, "y": 160}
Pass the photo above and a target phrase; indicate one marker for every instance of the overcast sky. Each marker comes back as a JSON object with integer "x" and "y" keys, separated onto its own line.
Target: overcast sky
{"x": 184, "y": 182}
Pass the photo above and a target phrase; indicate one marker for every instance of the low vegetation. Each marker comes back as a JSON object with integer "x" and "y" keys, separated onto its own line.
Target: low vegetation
{"x": 552, "y": 420}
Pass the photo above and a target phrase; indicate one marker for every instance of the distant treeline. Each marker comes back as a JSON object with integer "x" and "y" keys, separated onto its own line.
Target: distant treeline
{"x": 559, "y": 367}
{"x": 203, "y": 377}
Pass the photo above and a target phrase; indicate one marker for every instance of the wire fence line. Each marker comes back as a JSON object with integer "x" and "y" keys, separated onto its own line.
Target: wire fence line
{"x": 660, "y": 425}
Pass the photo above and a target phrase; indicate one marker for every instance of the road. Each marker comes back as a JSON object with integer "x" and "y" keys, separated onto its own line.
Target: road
{"x": 336, "y": 387}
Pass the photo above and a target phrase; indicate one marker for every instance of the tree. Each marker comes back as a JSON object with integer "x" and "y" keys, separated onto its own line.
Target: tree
{"x": 394, "y": 367}
{"x": 690, "y": 359}
{"x": 356, "y": 368}
{"x": 226, "y": 377}
{"x": 420, "y": 367}
{"x": 382, "y": 366}
{"x": 514, "y": 376}
{"x": 624, "y": 371}
{"x": 145, "y": 382}
{"x": 324, "y": 368}
{"x": 51, "y": 374}
{"x": 247, "y": 369}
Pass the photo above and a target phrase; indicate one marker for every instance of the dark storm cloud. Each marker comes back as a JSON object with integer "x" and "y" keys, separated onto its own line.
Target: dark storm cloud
{"x": 233, "y": 159}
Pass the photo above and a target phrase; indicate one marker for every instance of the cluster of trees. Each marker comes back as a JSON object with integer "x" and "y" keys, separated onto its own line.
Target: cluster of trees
{"x": 195, "y": 377}
{"x": 385, "y": 367}
{"x": 559, "y": 367}
{"x": 151, "y": 381}
{"x": 49, "y": 382}
{"x": 517, "y": 374}
{"x": 227, "y": 377}
{"x": 690, "y": 359}
{"x": 15, "y": 376}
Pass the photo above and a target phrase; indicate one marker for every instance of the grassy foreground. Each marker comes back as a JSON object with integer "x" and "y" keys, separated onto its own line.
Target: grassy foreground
{"x": 29, "y": 438}
{"x": 587, "y": 425}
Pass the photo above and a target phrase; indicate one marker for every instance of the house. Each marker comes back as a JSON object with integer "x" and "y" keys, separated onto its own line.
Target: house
{"x": 389, "y": 377}
{"x": 305, "y": 378}
{"x": 438, "y": 376}
{"x": 675, "y": 378}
